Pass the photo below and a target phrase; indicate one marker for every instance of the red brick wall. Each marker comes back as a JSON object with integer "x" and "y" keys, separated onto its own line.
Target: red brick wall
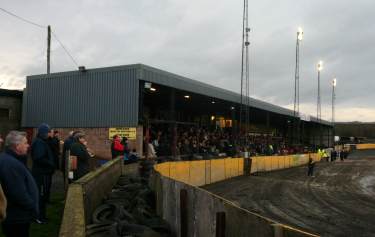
{"x": 98, "y": 140}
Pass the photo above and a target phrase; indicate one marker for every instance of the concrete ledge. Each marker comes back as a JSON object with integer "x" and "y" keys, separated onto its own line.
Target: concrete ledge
{"x": 73, "y": 222}
{"x": 87, "y": 193}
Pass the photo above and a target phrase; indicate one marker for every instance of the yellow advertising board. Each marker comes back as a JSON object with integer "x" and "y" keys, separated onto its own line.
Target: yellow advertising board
{"x": 129, "y": 133}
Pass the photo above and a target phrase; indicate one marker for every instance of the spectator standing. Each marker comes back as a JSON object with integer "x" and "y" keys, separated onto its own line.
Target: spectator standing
{"x": 79, "y": 150}
{"x": 151, "y": 153}
{"x": 310, "y": 167}
{"x": 66, "y": 147}
{"x": 54, "y": 143}
{"x": 117, "y": 149}
{"x": 43, "y": 168}
{"x": 19, "y": 187}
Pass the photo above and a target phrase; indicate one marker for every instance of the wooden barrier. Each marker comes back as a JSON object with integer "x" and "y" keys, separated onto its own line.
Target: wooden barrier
{"x": 199, "y": 173}
{"x": 192, "y": 211}
{"x": 365, "y": 146}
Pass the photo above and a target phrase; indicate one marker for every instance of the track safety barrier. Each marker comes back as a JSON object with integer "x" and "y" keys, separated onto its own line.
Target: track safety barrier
{"x": 192, "y": 211}
{"x": 365, "y": 146}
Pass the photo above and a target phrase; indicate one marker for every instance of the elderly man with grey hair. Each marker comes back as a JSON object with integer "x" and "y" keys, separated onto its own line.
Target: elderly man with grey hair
{"x": 18, "y": 185}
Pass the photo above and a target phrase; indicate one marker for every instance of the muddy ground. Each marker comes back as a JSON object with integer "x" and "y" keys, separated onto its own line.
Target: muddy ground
{"x": 338, "y": 201}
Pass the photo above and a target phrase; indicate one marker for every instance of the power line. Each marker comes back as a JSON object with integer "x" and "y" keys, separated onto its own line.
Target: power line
{"x": 22, "y": 19}
{"x": 71, "y": 57}
{"x": 43, "y": 27}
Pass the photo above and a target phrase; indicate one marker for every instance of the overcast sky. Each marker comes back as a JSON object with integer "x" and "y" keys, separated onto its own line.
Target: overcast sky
{"x": 201, "y": 39}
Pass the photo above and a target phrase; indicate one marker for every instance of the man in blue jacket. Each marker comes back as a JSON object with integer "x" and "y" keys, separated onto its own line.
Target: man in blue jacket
{"x": 19, "y": 187}
{"x": 43, "y": 167}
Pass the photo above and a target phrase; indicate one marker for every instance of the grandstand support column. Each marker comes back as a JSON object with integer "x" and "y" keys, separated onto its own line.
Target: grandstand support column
{"x": 268, "y": 120}
{"x": 303, "y": 137}
{"x": 141, "y": 101}
{"x": 173, "y": 119}
{"x": 234, "y": 122}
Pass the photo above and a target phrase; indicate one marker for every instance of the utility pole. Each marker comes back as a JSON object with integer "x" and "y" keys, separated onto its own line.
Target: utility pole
{"x": 334, "y": 83}
{"x": 48, "y": 49}
{"x": 318, "y": 105}
{"x": 245, "y": 84}
{"x": 296, "y": 124}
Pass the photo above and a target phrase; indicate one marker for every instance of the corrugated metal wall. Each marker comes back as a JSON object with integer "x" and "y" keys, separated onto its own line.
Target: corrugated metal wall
{"x": 96, "y": 98}
{"x": 107, "y": 97}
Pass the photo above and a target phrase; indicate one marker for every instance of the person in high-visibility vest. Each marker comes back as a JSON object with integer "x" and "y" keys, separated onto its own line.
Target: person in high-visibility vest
{"x": 319, "y": 153}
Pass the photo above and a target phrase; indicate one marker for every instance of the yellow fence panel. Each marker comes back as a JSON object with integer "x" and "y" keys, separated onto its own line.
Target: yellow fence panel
{"x": 274, "y": 162}
{"x": 208, "y": 171}
{"x": 254, "y": 164}
{"x": 281, "y": 161}
{"x": 228, "y": 168}
{"x": 261, "y": 164}
{"x": 365, "y": 146}
{"x": 182, "y": 171}
{"x": 197, "y": 173}
{"x": 268, "y": 163}
{"x": 172, "y": 170}
{"x": 217, "y": 170}
{"x": 240, "y": 166}
{"x": 163, "y": 168}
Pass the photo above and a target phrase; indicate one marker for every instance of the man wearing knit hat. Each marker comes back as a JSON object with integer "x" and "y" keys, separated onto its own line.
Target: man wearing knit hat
{"x": 43, "y": 167}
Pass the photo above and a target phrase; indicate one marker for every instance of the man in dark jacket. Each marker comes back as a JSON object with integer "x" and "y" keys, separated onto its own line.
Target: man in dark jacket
{"x": 19, "y": 187}
{"x": 79, "y": 150}
{"x": 43, "y": 167}
{"x": 54, "y": 143}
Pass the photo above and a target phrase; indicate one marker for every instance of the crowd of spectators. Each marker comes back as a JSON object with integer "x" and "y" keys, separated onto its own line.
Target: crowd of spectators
{"x": 25, "y": 192}
{"x": 200, "y": 143}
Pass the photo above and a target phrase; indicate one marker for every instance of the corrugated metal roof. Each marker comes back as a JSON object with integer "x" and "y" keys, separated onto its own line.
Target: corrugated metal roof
{"x": 114, "y": 92}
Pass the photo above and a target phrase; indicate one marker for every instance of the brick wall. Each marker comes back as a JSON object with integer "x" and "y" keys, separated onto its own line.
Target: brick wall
{"x": 99, "y": 142}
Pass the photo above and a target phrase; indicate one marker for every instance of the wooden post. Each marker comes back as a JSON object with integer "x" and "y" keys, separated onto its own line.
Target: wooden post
{"x": 247, "y": 166}
{"x": 183, "y": 213}
{"x": 220, "y": 224}
{"x": 48, "y": 49}
{"x": 66, "y": 171}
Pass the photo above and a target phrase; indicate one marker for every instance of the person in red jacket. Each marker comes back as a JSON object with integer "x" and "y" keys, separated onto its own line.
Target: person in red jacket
{"x": 117, "y": 149}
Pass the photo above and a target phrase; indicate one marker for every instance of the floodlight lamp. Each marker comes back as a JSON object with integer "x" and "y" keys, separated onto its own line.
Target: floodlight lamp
{"x": 300, "y": 34}
{"x": 152, "y": 89}
{"x": 213, "y": 102}
{"x": 320, "y": 65}
{"x": 334, "y": 82}
{"x": 187, "y": 96}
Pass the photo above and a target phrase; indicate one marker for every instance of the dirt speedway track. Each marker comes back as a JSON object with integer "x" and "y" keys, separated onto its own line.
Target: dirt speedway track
{"x": 338, "y": 201}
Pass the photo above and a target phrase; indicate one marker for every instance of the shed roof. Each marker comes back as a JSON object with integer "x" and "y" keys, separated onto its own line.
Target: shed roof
{"x": 158, "y": 76}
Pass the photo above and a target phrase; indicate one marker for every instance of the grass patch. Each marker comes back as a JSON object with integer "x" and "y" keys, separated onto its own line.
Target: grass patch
{"x": 54, "y": 213}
